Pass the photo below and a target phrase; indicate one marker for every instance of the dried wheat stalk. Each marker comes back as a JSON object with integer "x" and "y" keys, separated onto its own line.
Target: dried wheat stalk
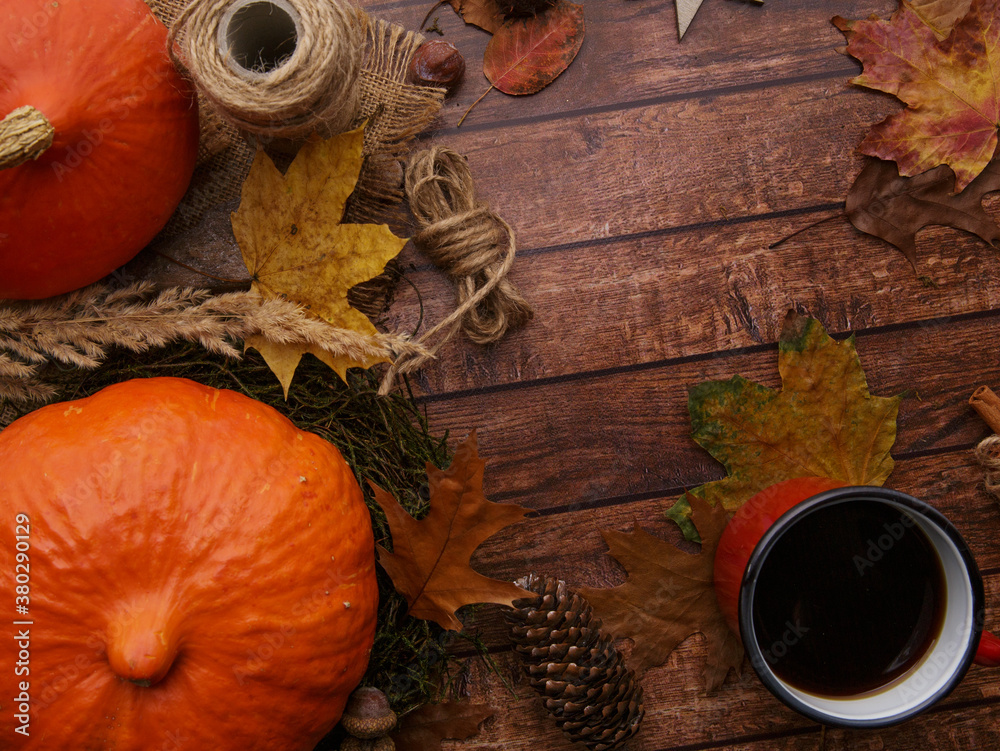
{"x": 77, "y": 329}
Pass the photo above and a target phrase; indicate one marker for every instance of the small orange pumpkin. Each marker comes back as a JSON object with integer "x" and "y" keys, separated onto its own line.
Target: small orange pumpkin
{"x": 194, "y": 571}
{"x": 98, "y": 140}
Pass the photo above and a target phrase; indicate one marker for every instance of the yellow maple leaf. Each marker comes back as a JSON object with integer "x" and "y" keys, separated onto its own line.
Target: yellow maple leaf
{"x": 294, "y": 245}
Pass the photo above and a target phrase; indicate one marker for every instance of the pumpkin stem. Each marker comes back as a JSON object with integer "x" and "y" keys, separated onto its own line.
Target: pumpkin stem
{"x": 25, "y": 134}
{"x": 143, "y": 651}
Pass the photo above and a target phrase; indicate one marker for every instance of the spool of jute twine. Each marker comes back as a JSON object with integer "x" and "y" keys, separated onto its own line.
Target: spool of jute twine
{"x": 275, "y": 68}
{"x": 987, "y": 453}
{"x": 471, "y": 243}
{"x": 986, "y": 403}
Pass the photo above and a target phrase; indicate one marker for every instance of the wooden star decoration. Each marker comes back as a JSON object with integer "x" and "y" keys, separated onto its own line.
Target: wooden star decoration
{"x": 685, "y": 14}
{"x": 686, "y": 10}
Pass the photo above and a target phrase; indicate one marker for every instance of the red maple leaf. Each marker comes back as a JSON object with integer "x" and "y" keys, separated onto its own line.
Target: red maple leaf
{"x": 950, "y": 86}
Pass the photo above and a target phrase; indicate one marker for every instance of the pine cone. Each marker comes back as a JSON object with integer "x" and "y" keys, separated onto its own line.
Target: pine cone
{"x": 581, "y": 678}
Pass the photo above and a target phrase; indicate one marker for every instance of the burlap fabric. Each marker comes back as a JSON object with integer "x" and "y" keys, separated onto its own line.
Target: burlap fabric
{"x": 395, "y": 112}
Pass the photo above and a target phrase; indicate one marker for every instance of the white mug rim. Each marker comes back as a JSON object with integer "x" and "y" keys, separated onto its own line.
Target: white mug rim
{"x": 925, "y": 513}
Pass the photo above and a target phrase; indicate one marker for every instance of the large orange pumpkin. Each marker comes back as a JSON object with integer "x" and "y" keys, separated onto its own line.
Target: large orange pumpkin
{"x": 196, "y": 573}
{"x": 124, "y": 138}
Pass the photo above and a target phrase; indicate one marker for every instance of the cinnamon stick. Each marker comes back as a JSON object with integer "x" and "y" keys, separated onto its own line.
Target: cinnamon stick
{"x": 987, "y": 404}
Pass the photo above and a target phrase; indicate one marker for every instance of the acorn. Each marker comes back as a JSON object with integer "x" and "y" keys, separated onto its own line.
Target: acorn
{"x": 368, "y": 720}
{"x": 515, "y": 8}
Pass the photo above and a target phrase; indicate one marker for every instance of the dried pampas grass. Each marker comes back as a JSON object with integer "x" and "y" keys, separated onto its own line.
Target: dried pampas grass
{"x": 80, "y": 328}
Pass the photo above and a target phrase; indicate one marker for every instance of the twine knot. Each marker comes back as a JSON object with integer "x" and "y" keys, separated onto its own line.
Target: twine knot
{"x": 465, "y": 239}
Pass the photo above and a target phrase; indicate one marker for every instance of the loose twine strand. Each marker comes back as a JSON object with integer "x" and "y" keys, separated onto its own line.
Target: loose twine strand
{"x": 316, "y": 88}
{"x": 464, "y": 238}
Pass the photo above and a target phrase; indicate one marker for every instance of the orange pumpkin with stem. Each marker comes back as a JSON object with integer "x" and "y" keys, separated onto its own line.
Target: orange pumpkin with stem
{"x": 195, "y": 570}
{"x": 97, "y": 144}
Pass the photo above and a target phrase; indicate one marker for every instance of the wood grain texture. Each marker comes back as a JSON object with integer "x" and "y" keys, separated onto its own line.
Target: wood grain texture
{"x": 693, "y": 292}
{"x": 631, "y": 54}
{"x": 742, "y": 715}
{"x": 625, "y": 432}
{"x": 568, "y": 544}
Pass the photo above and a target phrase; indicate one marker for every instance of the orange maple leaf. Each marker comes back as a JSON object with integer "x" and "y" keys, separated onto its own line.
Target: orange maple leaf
{"x": 430, "y": 565}
{"x": 951, "y": 87}
{"x": 669, "y": 595}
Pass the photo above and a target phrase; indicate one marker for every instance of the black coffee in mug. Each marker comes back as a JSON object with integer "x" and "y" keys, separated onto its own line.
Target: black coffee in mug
{"x": 849, "y": 599}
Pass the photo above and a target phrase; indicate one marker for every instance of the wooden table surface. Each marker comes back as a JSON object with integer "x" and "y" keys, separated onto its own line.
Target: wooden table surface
{"x": 646, "y": 186}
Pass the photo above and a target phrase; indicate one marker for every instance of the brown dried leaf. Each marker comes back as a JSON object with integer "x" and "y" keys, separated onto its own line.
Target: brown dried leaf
{"x": 894, "y": 208}
{"x": 425, "y": 728}
{"x": 669, "y": 595}
{"x": 485, "y": 14}
{"x": 430, "y": 563}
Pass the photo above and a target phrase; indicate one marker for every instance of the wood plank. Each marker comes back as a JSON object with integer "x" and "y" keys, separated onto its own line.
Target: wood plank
{"x": 631, "y": 53}
{"x": 692, "y": 292}
{"x": 672, "y": 164}
{"x": 568, "y": 544}
{"x": 624, "y": 433}
{"x": 741, "y": 715}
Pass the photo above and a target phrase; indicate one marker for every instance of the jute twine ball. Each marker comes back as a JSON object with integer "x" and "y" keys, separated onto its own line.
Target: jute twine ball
{"x": 275, "y": 68}
{"x": 987, "y": 453}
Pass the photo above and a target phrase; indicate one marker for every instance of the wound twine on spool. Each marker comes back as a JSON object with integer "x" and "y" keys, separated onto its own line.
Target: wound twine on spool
{"x": 393, "y": 110}
{"x": 987, "y": 453}
{"x": 275, "y": 68}
{"x": 464, "y": 238}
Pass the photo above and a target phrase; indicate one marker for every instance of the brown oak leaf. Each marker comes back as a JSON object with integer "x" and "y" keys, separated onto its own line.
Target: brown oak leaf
{"x": 423, "y": 729}
{"x": 430, "y": 563}
{"x": 669, "y": 595}
{"x": 894, "y": 208}
{"x": 951, "y": 87}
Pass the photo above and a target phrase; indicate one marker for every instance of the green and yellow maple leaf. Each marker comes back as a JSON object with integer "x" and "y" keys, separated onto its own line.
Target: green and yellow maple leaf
{"x": 951, "y": 86}
{"x": 293, "y": 243}
{"x": 823, "y": 422}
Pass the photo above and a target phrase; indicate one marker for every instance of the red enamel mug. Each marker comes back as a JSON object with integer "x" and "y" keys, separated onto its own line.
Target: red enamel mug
{"x": 858, "y": 606}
